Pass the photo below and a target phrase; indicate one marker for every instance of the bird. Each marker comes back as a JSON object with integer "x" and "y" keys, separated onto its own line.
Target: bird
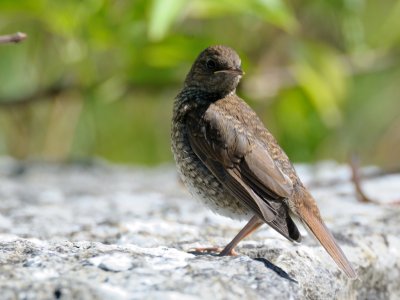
{"x": 228, "y": 160}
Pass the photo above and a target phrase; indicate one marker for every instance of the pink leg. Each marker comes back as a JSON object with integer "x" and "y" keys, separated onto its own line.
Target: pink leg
{"x": 248, "y": 229}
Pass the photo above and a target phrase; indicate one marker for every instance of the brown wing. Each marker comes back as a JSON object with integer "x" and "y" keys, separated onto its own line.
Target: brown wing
{"x": 242, "y": 164}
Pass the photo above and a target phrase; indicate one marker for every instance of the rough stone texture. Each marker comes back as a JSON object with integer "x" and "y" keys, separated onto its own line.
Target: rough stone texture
{"x": 96, "y": 231}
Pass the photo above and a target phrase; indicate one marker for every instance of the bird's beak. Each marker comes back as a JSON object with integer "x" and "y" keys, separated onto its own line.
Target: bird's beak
{"x": 237, "y": 71}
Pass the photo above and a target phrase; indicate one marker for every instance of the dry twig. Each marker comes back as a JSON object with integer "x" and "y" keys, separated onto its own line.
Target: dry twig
{"x": 355, "y": 177}
{"x": 46, "y": 94}
{"x": 362, "y": 197}
{"x": 13, "y": 38}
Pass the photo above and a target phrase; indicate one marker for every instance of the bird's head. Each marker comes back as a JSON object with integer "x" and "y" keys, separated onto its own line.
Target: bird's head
{"x": 216, "y": 70}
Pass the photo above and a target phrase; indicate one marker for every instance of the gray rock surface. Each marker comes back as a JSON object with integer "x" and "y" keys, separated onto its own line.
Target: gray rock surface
{"x": 98, "y": 231}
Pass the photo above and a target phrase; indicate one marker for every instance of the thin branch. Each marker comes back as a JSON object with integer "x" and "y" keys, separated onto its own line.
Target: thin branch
{"x": 362, "y": 197}
{"x": 281, "y": 77}
{"x": 42, "y": 95}
{"x": 13, "y": 38}
{"x": 316, "y": 183}
{"x": 355, "y": 177}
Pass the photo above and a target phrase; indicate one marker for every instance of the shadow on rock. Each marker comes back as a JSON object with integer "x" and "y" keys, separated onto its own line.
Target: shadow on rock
{"x": 266, "y": 263}
{"x": 275, "y": 268}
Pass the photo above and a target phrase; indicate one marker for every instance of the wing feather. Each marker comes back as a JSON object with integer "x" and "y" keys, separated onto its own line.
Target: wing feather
{"x": 244, "y": 166}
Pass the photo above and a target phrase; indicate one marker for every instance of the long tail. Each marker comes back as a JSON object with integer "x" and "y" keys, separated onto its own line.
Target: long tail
{"x": 310, "y": 216}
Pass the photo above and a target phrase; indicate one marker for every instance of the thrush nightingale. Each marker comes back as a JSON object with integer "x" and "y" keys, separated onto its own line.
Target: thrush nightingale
{"x": 232, "y": 163}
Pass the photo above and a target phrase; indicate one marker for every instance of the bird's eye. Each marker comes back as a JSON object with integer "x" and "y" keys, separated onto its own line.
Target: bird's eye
{"x": 211, "y": 64}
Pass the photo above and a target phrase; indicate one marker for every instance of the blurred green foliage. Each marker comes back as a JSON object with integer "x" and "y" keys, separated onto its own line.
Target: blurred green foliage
{"x": 98, "y": 77}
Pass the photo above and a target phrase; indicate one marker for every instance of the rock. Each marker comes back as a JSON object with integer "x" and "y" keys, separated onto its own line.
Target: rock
{"x": 109, "y": 232}
{"x": 116, "y": 262}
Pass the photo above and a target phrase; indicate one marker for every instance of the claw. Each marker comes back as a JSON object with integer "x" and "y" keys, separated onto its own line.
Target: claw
{"x": 213, "y": 250}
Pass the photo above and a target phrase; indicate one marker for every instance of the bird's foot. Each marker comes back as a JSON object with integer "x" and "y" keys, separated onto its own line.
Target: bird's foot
{"x": 214, "y": 251}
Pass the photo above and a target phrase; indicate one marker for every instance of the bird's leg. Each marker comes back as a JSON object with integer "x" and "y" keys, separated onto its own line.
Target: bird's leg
{"x": 248, "y": 229}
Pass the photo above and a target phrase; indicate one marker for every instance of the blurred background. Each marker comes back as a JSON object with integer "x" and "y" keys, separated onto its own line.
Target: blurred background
{"x": 97, "y": 78}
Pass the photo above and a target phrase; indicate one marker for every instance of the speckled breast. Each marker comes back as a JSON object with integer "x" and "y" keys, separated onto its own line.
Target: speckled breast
{"x": 201, "y": 183}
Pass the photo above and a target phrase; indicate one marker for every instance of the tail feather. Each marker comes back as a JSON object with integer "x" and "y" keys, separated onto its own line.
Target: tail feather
{"x": 323, "y": 235}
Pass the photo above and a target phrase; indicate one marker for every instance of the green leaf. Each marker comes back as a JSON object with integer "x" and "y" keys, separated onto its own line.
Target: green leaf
{"x": 321, "y": 75}
{"x": 275, "y": 12}
{"x": 162, "y": 15}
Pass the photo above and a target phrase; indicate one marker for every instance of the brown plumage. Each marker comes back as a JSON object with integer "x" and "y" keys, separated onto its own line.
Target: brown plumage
{"x": 232, "y": 163}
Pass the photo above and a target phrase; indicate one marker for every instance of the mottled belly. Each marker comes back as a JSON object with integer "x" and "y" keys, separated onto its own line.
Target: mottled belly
{"x": 203, "y": 185}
